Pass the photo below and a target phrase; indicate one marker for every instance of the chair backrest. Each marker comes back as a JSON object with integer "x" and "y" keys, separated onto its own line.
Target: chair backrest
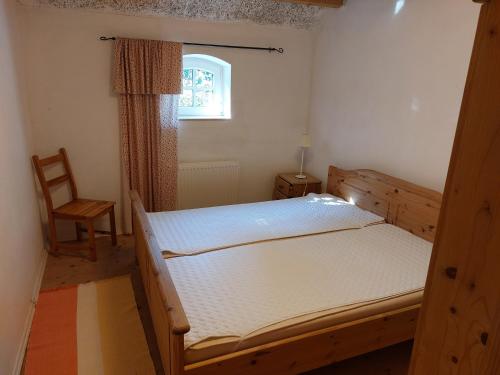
{"x": 46, "y": 185}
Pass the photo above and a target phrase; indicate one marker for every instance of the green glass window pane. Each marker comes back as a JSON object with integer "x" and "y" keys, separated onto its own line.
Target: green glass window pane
{"x": 187, "y": 78}
{"x": 203, "y": 98}
{"x": 186, "y": 99}
{"x": 203, "y": 79}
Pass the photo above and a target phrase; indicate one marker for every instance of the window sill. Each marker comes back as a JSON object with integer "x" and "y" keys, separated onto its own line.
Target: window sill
{"x": 205, "y": 118}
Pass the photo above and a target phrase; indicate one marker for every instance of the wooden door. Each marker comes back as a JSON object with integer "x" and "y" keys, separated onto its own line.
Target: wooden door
{"x": 459, "y": 327}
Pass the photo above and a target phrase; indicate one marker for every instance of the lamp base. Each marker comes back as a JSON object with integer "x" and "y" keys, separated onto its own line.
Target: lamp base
{"x": 300, "y": 176}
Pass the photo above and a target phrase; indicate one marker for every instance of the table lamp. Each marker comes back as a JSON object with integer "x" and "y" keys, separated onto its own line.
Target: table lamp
{"x": 305, "y": 142}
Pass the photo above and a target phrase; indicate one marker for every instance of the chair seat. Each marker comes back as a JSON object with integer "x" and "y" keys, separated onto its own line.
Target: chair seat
{"x": 83, "y": 209}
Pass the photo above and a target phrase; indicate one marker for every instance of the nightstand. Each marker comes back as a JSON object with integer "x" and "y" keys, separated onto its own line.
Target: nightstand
{"x": 288, "y": 186}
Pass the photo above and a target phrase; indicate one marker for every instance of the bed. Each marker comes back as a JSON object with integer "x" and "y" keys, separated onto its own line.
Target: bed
{"x": 354, "y": 319}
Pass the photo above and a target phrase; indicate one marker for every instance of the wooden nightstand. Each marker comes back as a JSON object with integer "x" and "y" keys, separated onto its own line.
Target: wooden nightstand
{"x": 287, "y": 186}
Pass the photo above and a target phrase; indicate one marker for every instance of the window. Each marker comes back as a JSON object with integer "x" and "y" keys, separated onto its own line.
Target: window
{"x": 206, "y": 88}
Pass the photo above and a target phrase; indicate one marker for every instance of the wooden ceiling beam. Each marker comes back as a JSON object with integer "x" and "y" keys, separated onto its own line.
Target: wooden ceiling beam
{"x": 321, "y": 3}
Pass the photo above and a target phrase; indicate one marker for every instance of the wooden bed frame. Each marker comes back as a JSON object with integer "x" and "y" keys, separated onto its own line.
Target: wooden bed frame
{"x": 403, "y": 204}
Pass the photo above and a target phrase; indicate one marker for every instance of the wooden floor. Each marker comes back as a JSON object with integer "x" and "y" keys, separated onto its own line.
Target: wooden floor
{"x": 120, "y": 260}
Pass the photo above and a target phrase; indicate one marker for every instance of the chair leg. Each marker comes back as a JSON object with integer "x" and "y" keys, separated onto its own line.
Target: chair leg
{"x": 112, "y": 226}
{"x": 92, "y": 245}
{"x": 52, "y": 234}
{"x": 78, "y": 228}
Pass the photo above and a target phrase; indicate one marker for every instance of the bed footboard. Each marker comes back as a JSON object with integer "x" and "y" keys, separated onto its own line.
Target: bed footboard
{"x": 316, "y": 349}
{"x": 169, "y": 320}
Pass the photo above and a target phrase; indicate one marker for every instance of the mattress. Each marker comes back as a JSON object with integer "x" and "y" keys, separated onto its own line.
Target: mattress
{"x": 293, "y": 327}
{"x": 230, "y": 296}
{"x": 189, "y": 232}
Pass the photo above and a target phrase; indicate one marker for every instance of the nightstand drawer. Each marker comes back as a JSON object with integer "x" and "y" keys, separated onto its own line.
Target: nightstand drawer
{"x": 289, "y": 186}
{"x": 283, "y": 187}
{"x": 303, "y": 189}
{"x": 299, "y": 191}
{"x": 277, "y": 195}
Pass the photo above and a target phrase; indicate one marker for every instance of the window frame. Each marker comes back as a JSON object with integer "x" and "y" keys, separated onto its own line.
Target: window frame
{"x": 221, "y": 87}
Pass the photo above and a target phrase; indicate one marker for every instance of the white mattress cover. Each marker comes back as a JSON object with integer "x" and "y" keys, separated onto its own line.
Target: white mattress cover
{"x": 297, "y": 326}
{"x": 189, "y": 232}
{"x": 236, "y": 293}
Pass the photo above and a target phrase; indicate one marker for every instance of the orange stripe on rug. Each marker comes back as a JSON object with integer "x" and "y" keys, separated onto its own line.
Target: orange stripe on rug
{"x": 52, "y": 346}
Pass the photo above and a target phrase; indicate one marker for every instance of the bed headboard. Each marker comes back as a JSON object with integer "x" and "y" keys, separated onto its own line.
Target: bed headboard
{"x": 402, "y": 203}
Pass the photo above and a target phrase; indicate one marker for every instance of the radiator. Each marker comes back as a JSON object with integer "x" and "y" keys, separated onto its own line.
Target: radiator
{"x": 207, "y": 184}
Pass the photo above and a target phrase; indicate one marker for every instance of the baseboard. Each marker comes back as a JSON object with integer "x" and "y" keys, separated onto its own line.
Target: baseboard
{"x": 29, "y": 318}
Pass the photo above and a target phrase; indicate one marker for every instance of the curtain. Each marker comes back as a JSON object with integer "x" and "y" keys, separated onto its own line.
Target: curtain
{"x": 147, "y": 77}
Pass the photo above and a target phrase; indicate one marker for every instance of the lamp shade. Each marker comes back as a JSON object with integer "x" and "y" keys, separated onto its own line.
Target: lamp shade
{"x": 305, "y": 141}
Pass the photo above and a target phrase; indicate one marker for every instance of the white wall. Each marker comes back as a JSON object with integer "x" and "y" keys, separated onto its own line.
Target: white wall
{"x": 387, "y": 88}
{"x": 72, "y": 103}
{"x": 20, "y": 235}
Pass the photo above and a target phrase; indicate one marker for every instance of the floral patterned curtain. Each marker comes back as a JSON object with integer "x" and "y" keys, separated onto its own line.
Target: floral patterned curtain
{"x": 147, "y": 76}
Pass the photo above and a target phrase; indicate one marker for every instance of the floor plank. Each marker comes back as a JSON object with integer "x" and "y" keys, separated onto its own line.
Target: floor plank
{"x": 120, "y": 260}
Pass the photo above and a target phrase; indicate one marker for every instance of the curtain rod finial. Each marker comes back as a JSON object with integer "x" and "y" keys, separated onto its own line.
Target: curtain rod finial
{"x": 279, "y": 50}
{"x": 107, "y": 38}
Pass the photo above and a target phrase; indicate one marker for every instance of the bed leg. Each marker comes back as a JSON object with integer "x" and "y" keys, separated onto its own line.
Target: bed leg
{"x": 176, "y": 354}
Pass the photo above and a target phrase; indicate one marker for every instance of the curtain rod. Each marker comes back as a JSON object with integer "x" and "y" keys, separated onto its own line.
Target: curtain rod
{"x": 269, "y": 49}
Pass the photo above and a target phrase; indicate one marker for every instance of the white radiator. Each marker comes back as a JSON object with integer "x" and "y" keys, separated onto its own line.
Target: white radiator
{"x": 207, "y": 184}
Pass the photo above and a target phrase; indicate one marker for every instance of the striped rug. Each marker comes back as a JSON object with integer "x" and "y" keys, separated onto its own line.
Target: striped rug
{"x": 88, "y": 329}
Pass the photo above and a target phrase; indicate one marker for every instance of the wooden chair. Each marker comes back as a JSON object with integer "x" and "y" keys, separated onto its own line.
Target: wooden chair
{"x": 81, "y": 211}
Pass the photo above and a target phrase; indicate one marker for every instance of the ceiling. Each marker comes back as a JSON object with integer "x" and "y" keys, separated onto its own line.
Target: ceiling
{"x": 267, "y": 12}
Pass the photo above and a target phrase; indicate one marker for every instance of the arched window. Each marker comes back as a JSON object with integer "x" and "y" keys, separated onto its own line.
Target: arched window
{"x": 206, "y": 88}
